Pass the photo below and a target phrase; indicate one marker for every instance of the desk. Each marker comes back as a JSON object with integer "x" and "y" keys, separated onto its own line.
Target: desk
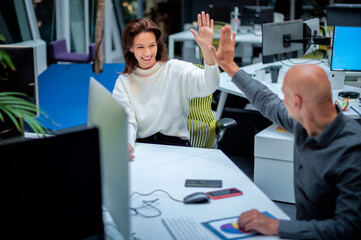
{"x": 167, "y": 167}
{"x": 226, "y": 86}
{"x": 63, "y": 94}
{"x": 250, "y": 38}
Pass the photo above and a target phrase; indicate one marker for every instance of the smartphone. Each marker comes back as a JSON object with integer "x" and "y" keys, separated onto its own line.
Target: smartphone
{"x": 203, "y": 183}
{"x": 224, "y": 193}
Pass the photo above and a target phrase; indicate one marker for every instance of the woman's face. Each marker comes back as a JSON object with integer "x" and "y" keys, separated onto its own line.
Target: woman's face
{"x": 145, "y": 49}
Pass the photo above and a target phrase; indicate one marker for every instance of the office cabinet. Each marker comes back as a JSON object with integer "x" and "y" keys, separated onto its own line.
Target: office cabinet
{"x": 273, "y": 166}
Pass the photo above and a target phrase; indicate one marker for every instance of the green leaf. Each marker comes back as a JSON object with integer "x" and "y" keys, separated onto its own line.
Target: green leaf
{"x": 14, "y": 105}
{"x": 11, "y": 116}
{"x": 12, "y": 93}
{"x": 6, "y": 58}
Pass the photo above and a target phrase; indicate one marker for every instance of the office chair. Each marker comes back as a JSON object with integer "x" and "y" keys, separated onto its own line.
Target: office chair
{"x": 58, "y": 52}
{"x": 205, "y": 131}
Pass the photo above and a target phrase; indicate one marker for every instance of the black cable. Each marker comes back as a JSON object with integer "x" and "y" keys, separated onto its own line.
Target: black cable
{"x": 286, "y": 64}
{"x": 156, "y": 190}
{"x": 306, "y": 61}
{"x": 149, "y": 204}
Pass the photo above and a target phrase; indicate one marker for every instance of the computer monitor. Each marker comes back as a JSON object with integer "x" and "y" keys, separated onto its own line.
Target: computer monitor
{"x": 346, "y": 49}
{"x": 220, "y": 12}
{"x": 51, "y": 188}
{"x": 111, "y": 119}
{"x": 277, "y": 40}
{"x": 256, "y": 15}
{"x": 221, "y": 8}
{"x": 344, "y": 15}
{"x": 25, "y": 78}
{"x": 311, "y": 29}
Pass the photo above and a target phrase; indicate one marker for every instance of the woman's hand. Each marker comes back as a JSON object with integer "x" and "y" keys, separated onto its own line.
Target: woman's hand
{"x": 205, "y": 31}
{"x": 131, "y": 151}
{"x": 204, "y": 38}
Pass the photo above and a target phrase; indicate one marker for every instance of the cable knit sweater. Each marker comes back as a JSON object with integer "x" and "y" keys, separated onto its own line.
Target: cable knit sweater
{"x": 157, "y": 99}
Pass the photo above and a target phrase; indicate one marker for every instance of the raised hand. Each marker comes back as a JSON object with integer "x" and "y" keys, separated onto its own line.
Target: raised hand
{"x": 204, "y": 38}
{"x": 225, "y": 54}
{"x": 205, "y": 31}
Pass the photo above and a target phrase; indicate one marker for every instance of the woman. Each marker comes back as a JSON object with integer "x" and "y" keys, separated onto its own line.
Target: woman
{"x": 156, "y": 91}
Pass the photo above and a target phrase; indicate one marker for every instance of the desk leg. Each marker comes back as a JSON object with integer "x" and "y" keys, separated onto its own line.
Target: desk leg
{"x": 171, "y": 48}
{"x": 221, "y": 103}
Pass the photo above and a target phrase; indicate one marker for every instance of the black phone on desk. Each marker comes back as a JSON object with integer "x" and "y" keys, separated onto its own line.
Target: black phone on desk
{"x": 203, "y": 183}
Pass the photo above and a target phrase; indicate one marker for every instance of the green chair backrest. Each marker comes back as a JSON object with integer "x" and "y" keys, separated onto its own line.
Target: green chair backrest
{"x": 201, "y": 122}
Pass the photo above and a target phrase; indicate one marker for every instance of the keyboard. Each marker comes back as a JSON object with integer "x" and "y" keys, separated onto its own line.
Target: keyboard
{"x": 186, "y": 228}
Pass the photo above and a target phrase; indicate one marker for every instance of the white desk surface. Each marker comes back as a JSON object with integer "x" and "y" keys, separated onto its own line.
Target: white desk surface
{"x": 167, "y": 168}
{"x": 226, "y": 86}
{"x": 250, "y": 38}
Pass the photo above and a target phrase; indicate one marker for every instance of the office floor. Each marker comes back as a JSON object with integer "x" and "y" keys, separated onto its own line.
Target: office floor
{"x": 246, "y": 164}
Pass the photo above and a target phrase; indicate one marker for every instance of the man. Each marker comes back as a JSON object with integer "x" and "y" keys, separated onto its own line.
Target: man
{"x": 327, "y": 151}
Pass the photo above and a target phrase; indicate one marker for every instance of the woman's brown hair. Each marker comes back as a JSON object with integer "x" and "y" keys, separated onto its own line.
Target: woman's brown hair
{"x": 132, "y": 29}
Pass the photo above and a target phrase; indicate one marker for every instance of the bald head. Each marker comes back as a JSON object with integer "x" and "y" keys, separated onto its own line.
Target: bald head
{"x": 310, "y": 82}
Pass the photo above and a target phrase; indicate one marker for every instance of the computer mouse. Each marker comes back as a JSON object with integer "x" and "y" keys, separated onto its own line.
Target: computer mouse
{"x": 197, "y": 197}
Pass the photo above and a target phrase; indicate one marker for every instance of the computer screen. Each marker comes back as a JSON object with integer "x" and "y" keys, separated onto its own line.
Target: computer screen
{"x": 111, "y": 119}
{"x": 256, "y": 15}
{"x": 311, "y": 29}
{"x": 276, "y": 40}
{"x": 220, "y": 12}
{"x": 25, "y": 78}
{"x": 51, "y": 187}
{"x": 344, "y": 15}
{"x": 221, "y": 8}
{"x": 346, "y": 49}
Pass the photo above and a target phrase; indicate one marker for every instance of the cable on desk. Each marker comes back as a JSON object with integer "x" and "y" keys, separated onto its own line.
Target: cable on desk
{"x": 156, "y": 190}
{"x": 149, "y": 204}
{"x": 317, "y": 56}
{"x": 326, "y": 62}
{"x": 295, "y": 63}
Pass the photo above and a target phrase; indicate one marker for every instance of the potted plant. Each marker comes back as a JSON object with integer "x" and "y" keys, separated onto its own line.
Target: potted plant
{"x": 14, "y": 107}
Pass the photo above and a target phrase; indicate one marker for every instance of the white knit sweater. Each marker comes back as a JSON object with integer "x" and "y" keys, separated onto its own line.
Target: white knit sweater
{"x": 157, "y": 99}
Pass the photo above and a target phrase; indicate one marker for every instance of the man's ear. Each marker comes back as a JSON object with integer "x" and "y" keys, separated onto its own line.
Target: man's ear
{"x": 297, "y": 101}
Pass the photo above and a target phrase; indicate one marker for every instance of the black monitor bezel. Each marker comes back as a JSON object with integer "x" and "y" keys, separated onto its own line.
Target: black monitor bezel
{"x": 344, "y": 12}
{"x": 53, "y": 185}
